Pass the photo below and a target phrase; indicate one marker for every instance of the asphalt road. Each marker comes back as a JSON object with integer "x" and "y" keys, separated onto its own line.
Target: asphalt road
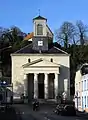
{"x": 9, "y": 114}
{"x": 45, "y": 113}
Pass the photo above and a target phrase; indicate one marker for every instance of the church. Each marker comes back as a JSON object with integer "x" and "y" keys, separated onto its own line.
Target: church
{"x": 40, "y": 70}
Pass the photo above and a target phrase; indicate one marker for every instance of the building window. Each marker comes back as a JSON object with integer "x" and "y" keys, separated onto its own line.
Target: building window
{"x": 79, "y": 101}
{"x": 51, "y": 60}
{"x": 29, "y": 60}
{"x": 84, "y": 84}
{"x": 87, "y": 101}
{"x": 87, "y": 84}
{"x": 82, "y": 102}
{"x": 39, "y": 29}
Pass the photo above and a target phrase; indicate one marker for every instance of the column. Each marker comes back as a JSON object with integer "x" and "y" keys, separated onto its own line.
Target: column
{"x": 46, "y": 86}
{"x": 35, "y": 86}
{"x": 56, "y": 85}
{"x": 25, "y": 85}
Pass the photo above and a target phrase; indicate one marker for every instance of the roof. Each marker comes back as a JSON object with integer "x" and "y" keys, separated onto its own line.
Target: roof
{"x": 29, "y": 36}
{"x": 39, "y": 17}
{"x": 28, "y": 50}
{"x": 49, "y": 29}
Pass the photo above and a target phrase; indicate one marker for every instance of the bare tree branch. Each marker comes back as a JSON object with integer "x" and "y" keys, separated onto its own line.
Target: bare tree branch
{"x": 81, "y": 31}
{"x": 65, "y": 34}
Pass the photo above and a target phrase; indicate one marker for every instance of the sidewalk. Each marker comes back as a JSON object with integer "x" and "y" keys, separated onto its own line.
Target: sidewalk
{"x": 82, "y": 114}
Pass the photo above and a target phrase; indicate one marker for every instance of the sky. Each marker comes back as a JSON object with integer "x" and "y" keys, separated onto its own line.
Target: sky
{"x": 21, "y": 12}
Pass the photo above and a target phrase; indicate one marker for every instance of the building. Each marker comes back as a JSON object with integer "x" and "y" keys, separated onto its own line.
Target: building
{"x": 40, "y": 70}
{"x": 81, "y": 88}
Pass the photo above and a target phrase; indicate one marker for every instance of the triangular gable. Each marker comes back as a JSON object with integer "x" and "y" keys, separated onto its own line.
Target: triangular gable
{"x": 40, "y": 63}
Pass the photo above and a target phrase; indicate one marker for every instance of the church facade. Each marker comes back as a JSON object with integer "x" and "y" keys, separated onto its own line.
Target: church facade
{"x": 40, "y": 70}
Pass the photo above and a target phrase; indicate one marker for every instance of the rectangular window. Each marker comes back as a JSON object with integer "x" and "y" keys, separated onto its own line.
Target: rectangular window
{"x": 39, "y": 29}
{"x": 87, "y": 101}
{"x": 82, "y": 102}
{"x": 82, "y": 85}
{"x": 87, "y": 84}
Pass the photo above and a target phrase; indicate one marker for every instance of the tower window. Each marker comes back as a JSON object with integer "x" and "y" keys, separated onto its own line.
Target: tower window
{"x": 29, "y": 60}
{"x": 51, "y": 60}
{"x": 39, "y": 29}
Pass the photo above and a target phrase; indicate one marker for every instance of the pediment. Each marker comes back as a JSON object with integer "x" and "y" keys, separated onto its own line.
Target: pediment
{"x": 41, "y": 63}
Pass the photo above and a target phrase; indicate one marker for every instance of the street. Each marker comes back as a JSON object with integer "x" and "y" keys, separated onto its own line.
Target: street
{"x": 9, "y": 114}
{"x": 45, "y": 113}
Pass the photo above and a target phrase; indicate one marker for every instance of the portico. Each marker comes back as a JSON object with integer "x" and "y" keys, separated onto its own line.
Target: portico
{"x": 45, "y": 88}
{"x": 41, "y": 82}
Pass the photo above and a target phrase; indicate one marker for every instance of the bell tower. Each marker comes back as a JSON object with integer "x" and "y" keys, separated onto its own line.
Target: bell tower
{"x": 40, "y": 40}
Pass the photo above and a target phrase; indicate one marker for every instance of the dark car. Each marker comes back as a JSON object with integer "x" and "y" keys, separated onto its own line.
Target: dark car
{"x": 63, "y": 109}
{"x": 69, "y": 110}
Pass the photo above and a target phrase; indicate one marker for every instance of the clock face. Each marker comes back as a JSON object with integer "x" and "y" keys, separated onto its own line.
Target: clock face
{"x": 40, "y": 43}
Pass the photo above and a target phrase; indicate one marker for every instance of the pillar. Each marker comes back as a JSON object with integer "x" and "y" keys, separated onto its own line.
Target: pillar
{"x": 25, "y": 85}
{"x": 56, "y": 85}
{"x": 35, "y": 86}
{"x": 46, "y": 86}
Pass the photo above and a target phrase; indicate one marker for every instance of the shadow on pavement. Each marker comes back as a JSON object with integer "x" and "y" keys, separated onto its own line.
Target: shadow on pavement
{"x": 9, "y": 114}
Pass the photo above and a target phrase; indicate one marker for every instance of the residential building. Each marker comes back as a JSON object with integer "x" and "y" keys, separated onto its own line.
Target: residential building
{"x": 81, "y": 88}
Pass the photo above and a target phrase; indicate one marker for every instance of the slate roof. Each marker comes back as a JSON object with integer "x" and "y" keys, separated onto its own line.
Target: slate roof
{"x": 39, "y": 17}
{"x": 28, "y": 50}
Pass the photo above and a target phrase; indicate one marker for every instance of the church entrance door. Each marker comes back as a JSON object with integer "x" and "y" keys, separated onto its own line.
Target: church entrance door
{"x": 41, "y": 86}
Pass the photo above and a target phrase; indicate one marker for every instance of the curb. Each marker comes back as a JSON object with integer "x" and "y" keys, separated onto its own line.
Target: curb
{"x": 83, "y": 116}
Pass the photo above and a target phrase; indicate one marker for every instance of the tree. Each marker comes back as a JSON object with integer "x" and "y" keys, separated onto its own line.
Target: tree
{"x": 66, "y": 34}
{"x": 10, "y": 37}
{"x": 82, "y": 29}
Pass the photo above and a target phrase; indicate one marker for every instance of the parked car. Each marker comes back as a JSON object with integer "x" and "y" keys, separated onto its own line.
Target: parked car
{"x": 67, "y": 110}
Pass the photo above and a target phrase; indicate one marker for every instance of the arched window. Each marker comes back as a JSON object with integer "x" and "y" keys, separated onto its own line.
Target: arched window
{"x": 51, "y": 60}
{"x": 29, "y": 60}
{"x": 39, "y": 29}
